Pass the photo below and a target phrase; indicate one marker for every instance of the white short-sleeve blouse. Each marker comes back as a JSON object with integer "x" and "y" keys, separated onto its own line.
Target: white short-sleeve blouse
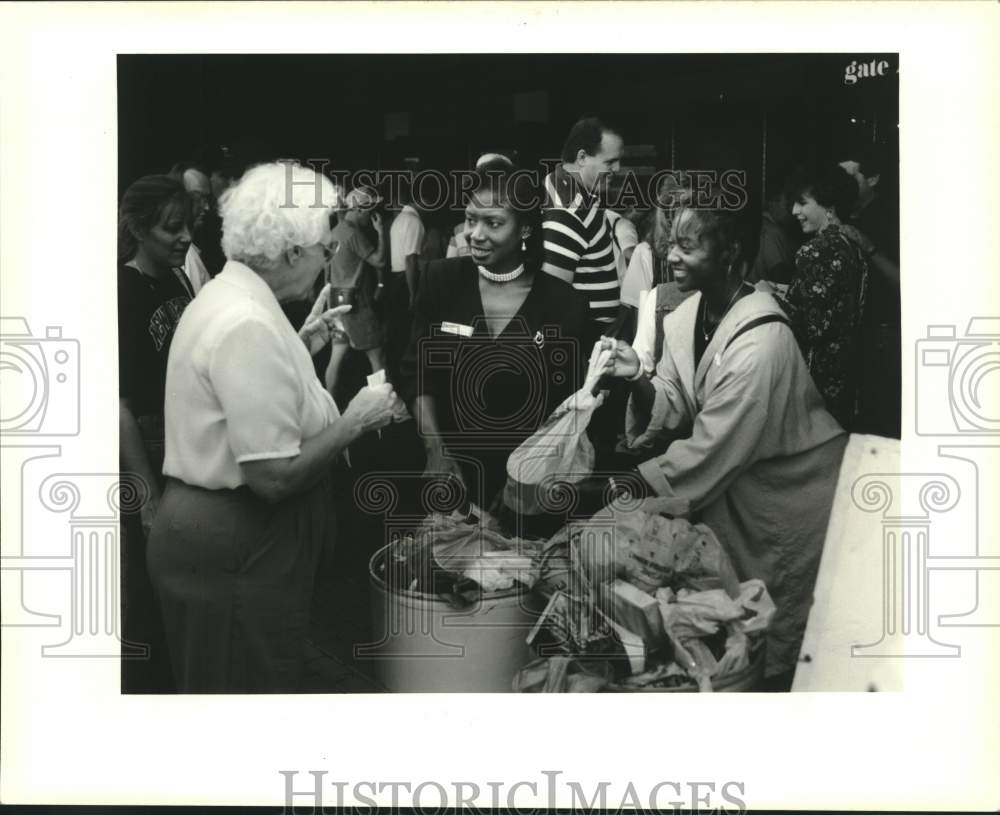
{"x": 241, "y": 385}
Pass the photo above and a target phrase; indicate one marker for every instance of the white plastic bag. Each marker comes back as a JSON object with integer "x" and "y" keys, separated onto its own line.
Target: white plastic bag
{"x": 559, "y": 452}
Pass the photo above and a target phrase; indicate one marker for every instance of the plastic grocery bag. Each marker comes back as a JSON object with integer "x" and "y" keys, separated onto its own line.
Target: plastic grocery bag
{"x": 559, "y": 452}
{"x": 699, "y": 614}
{"x": 481, "y": 554}
{"x": 737, "y": 654}
{"x": 561, "y": 674}
{"x": 758, "y": 607}
{"x": 651, "y": 551}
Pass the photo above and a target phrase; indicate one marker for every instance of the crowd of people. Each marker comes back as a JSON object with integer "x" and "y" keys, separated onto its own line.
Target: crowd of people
{"x": 744, "y": 351}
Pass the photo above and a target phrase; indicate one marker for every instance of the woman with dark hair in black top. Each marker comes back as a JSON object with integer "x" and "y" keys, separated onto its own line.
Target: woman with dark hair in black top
{"x": 496, "y": 344}
{"x": 154, "y": 223}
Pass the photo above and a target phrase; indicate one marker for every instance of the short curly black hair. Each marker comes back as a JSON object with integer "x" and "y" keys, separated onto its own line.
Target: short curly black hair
{"x": 737, "y": 231}
{"x": 829, "y": 184}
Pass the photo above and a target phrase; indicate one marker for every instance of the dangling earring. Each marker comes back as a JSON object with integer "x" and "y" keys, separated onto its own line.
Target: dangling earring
{"x": 524, "y": 246}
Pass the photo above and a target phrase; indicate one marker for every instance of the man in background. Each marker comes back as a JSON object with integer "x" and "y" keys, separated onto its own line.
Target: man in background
{"x": 579, "y": 249}
{"x": 576, "y": 231}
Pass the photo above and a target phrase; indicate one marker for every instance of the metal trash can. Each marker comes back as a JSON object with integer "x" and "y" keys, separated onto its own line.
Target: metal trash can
{"x": 747, "y": 680}
{"x": 424, "y": 645}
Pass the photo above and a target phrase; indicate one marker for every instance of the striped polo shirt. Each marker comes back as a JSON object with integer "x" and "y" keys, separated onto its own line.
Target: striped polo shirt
{"x": 578, "y": 244}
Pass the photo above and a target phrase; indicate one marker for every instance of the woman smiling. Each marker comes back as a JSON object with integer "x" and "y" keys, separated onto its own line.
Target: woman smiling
{"x": 750, "y": 445}
{"x": 496, "y": 343}
{"x": 827, "y": 295}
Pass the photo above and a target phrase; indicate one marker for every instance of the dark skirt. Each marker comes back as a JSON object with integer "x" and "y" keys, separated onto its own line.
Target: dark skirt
{"x": 362, "y": 327}
{"x": 235, "y": 579}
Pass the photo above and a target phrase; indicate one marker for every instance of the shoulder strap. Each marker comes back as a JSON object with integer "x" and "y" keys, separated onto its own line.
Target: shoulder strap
{"x": 660, "y": 292}
{"x": 182, "y": 278}
{"x": 764, "y": 320}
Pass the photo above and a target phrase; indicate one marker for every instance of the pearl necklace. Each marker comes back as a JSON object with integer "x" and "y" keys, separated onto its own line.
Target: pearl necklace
{"x": 501, "y": 278}
{"x": 704, "y": 312}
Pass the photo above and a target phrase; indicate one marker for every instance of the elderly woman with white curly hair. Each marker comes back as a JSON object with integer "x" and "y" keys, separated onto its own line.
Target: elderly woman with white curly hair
{"x": 253, "y": 440}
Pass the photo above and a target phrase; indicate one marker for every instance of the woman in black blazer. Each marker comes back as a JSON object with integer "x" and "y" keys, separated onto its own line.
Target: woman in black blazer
{"x": 496, "y": 343}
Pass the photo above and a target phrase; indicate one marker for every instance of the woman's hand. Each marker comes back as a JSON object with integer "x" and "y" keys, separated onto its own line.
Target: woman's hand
{"x": 373, "y": 407}
{"x": 321, "y": 322}
{"x": 623, "y": 362}
{"x": 376, "y": 221}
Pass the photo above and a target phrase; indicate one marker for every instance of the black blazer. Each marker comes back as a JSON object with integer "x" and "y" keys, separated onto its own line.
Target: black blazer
{"x": 493, "y": 391}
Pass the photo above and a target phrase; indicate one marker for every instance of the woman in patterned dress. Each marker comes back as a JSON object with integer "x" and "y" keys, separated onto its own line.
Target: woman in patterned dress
{"x": 827, "y": 295}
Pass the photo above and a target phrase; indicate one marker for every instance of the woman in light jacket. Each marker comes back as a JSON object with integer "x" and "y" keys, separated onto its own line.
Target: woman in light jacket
{"x": 751, "y": 446}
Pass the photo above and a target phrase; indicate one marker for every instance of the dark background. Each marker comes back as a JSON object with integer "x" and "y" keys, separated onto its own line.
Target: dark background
{"x": 758, "y": 112}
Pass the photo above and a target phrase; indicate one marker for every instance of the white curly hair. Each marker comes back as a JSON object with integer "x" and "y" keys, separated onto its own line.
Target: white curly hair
{"x": 272, "y": 208}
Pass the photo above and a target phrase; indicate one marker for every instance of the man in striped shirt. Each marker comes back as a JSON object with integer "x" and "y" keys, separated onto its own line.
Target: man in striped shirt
{"x": 578, "y": 247}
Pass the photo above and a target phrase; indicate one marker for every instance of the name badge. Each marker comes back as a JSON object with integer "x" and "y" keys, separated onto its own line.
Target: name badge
{"x": 457, "y": 328}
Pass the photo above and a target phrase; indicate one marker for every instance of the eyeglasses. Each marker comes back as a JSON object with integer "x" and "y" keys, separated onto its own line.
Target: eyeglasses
{"x": 329, "y": 250}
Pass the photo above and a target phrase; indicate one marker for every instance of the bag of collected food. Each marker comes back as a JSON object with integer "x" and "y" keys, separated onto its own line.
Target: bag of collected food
{"x": 480, "y": 553}
{"x": 699, "y": 614}
{"x": 650, "y": 550}
{"x": 737, "y": 654}
{"x": 559, "y": 454}
{"x": 561, "y": 674}
{"x": 695, "y": 621}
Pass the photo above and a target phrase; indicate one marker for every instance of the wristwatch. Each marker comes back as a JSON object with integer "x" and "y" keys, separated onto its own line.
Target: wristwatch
{"x": 632, "y": 483}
